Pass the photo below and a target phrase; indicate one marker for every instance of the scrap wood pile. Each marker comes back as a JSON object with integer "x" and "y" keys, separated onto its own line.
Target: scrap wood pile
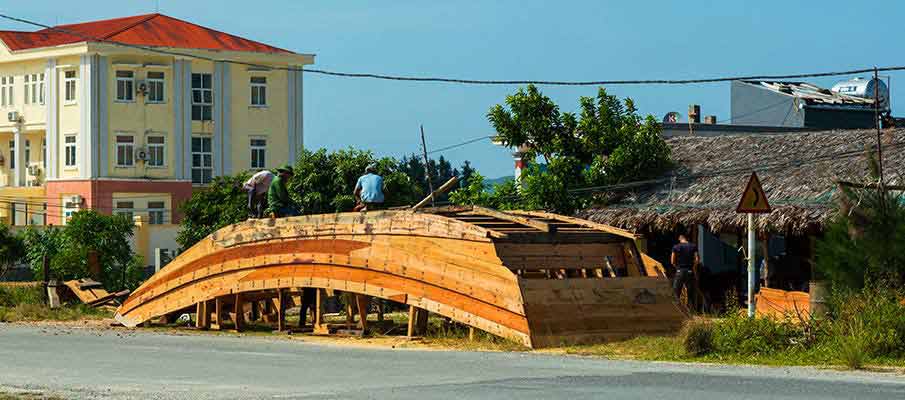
{"x": 93, "y": 294}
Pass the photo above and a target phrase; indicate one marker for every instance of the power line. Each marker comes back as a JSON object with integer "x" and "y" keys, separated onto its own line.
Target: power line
{"x": 457, "y": 145}
{"x": 464, "y": 81}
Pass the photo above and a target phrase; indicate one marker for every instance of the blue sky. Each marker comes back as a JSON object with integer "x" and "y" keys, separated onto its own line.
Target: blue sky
{"x": 507, "y": 39}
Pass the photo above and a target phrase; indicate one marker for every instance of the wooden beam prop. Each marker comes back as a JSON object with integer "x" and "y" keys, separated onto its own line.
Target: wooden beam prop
{"x": 541, "y": 226}
{"x": 440, "y": 190}
{"x": 239, "y": 310}
{"x": 578, "y": 221}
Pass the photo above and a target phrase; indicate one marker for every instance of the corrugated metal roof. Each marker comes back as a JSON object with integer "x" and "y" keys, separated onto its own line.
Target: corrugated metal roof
{"x": 153, "y": 30}
{"x": 812, "y": 94}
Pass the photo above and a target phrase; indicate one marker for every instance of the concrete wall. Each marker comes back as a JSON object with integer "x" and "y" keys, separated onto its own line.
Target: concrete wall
{"x": 755, "y": 105}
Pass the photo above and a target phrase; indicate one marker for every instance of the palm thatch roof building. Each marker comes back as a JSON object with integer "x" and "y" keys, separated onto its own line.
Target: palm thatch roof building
{"x": 799, "y": 172}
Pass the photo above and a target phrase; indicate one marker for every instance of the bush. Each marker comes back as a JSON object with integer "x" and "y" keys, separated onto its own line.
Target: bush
{"x": 15, "y": 295}
{"x": 874, "y": 316}
{"x": 738, "y": 334}
{"x": 697, "y": 337}
{"x": 67, "y": 249}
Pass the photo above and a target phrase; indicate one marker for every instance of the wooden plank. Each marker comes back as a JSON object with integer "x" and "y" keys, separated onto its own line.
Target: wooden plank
{"x": 541, "y": 226}
{"x": 440, "y": 190}
{"x": 583, "y": 222}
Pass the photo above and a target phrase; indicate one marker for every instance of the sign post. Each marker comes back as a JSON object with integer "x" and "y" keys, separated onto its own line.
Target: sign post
{"x": 753, "y": 201}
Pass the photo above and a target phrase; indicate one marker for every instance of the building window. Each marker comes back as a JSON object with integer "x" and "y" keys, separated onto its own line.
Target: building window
{"x": 258, "y": 153}
{"x": 27, "y": 152}
{"x": 156, "y": 151}
{"x": 202, "y": 97}
{"x": 6, "y": 91}
{"x": 202, "y": 160}
{"x": 69, "y": 80}
{"x": 125, "y": 208}
{"x": 258, "y": 91}
{"x": 125, "y": 86}
{"x": 155, "y": 84}
{"x": 69, "y": 151}
{"x": 34, "y": 88}
{"x": 125, "y": 150}
{"x": 44, "y": 153}
{"x": 156, "y": 212}
{"x": 12, "y": 154}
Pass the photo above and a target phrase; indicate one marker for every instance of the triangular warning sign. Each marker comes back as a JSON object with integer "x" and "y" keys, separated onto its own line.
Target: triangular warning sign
{"x": 754, "y": 200}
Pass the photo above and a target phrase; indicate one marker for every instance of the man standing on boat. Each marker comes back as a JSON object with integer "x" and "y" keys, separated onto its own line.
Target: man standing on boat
{"x": 279, "y": 204}
{"x": 257, "y": 187}
{"x": 369, "y": 190}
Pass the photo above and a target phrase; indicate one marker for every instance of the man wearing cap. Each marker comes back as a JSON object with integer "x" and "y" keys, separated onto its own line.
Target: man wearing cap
{"x": 369, "y": 190}
{"x": 257, "y": 187}
{"x": 279, "y": 204}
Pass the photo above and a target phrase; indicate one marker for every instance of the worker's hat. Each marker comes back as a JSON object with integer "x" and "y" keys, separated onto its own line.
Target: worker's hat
{"x": 287, "y": 169}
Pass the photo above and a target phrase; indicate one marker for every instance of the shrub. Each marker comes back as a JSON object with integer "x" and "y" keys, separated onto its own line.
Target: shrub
{"x": 738, "y": 334}
{"x": 15, "y": 295}
{"x": 697, "y": 337}
{"x": 875, "y": 316}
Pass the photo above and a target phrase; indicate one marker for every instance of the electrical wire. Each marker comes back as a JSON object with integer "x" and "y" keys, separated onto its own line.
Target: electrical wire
{"x": 458, "y": 80}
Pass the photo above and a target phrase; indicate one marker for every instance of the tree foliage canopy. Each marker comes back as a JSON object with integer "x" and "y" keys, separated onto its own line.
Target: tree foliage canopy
{"x": 864, "y": 245}
{"x": 67, "y": 249}
{"x": 12, "y": 249}
{"x": 222, "y": 203}
{"x": 323, "y": 183}
{"x": 605, "y": 143}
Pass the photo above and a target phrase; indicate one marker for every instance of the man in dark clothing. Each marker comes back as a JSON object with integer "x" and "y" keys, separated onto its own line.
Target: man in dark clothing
{"x": 685, "y": 259}
{"x": 279, "y": 204}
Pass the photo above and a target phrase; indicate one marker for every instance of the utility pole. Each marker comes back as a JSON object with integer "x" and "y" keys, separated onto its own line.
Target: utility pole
{"x": 877, "y": 122}
{"x": 427, "y": 169}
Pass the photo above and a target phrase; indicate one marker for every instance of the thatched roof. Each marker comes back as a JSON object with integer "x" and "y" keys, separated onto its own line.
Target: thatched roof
{"x": 798, "y": 172}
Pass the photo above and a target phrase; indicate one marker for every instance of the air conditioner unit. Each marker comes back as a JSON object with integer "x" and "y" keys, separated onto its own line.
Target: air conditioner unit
{"x": 141, "y": 87}
{"x": 75, "y": 199}
{"x": 13, "y": 116}
{"x": 141, "y": 153}
{"x": 34, "y": 170}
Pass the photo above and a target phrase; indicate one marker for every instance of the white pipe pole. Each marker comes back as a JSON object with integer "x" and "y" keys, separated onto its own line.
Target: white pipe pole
{"x": 751, "y": 278}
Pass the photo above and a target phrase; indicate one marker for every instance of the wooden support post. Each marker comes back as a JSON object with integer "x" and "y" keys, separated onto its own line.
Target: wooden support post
{"x": 422, "y": 321}
{"x": 362, "y": 302}
{"x": 417, "y": 322}
{"x": 471, "y": 334}
{"x": 239, "y": 319}
{"x": 380, "y": 304}
{"x": 217, "y": 322}
{"x": 765, "y": 248}
{"x": 319, "y": 327}
{"x": 202, "y": 315}
{"x": 281, "y": 310}
{"x": 413, "y": 313}
{"x": 255, "y": 314}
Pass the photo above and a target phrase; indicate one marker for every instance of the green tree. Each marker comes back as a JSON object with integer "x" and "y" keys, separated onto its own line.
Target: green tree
{"x": 12, "y": 249}
{"x": 606, "y": 143}
{"x": 864, "y": 244}
{"x": 324, "y": 182}
{"x": 88, "y": 231}
{"x": 221, "y": 204}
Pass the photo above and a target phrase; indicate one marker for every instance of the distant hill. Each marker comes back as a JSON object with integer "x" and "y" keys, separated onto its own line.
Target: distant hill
{"x": 497, "y": 181}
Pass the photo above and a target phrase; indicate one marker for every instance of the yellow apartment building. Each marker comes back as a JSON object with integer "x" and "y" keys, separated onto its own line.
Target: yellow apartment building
{"x": 128, "y": 115}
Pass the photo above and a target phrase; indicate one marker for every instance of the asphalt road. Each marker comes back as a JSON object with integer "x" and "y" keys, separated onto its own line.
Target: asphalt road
{"x": 79, "y": 363}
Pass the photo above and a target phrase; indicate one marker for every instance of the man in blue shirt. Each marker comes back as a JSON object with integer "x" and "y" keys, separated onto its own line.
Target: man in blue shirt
{"x": 369, "y": 190}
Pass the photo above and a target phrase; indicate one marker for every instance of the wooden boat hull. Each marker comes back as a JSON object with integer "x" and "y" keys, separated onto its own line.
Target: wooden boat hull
{"x": 434, "y": 262}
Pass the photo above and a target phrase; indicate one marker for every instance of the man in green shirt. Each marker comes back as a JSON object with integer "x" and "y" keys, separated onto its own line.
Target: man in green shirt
{"x": 279, "y": 204}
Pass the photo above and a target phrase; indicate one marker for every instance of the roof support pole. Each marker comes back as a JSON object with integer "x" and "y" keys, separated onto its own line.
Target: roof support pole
{"x": 752, "y": 241}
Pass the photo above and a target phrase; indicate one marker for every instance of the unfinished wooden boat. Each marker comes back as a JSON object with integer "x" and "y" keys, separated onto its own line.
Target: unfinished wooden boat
{"x": 536, "y": 278}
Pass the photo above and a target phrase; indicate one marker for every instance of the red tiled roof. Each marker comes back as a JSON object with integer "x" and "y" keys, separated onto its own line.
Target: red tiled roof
{"x": 153, "y": 30}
